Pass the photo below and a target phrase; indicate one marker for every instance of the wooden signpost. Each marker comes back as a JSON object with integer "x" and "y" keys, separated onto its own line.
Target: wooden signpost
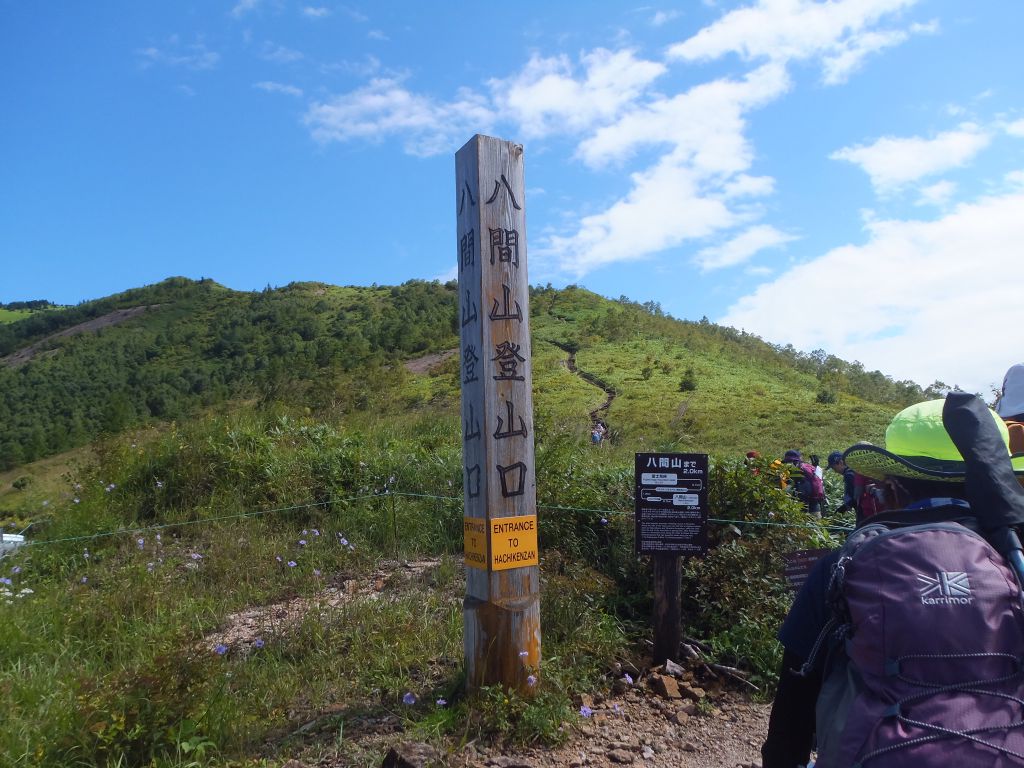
{"x": 501, "y": 612}
{"x": 671, "y": 521}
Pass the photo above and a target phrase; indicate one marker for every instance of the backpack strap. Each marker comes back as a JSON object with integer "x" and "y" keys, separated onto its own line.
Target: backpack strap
{"x": 1016, "y": 430}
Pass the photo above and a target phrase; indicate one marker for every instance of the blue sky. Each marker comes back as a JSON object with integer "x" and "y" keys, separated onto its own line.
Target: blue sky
{"x": 846, "y": 175}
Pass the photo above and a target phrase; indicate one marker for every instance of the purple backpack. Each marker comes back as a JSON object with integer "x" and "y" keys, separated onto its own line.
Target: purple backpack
{"x": 811, "y": 487}
{"x": 927, "y": 660}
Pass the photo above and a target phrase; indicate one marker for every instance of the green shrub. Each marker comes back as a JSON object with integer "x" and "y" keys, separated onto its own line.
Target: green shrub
{"x": 689, "y": 381}
{"x": 826, "y": 397}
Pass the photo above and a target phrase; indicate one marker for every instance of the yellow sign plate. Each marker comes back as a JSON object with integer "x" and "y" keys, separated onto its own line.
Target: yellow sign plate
{"x": 474, "y": 542}
{"x": 513, "y": 542}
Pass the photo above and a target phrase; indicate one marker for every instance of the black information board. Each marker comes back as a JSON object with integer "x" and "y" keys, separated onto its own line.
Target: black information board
{"x": 799, "y": 564}
{"x": 671, "y": 503}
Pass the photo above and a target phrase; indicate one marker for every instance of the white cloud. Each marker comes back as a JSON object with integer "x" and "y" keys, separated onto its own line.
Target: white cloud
{"x": 545, "y": 97}
{"x": 894, "y": 162}
{"x": 742, "y": 248}
{"x": 272, "y": 87}
{"x": 1015, "y": 178}
{"x": 748, "y": 186}
{"x": 279, "y": 53}
{"x": 354, "y": 14}
{"x": 939, "y": 193}
{"x": 385, "y": 108}
{"x": 316, "y": 12}
{"x": 849, "y": 54}
{"x": 195, "y": 56}
{"x": 370, "y": 65}
{"x": 684, "y": 195}
{"x": 664, "y": 17}
{"x": 704, "y": 125}
{"x": 921, "y": 300}
{"x": 1016, "y": 128}
{"x": 377, "y": 34}
{"x": 840, "y": 32}
{"x": 243, "y": 7}
{"x": 664, "y": 207}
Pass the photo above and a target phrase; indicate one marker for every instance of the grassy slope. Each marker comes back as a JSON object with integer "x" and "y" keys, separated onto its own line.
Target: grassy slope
{"x": 13, "y": 315}
{"x": 78, "y": 659}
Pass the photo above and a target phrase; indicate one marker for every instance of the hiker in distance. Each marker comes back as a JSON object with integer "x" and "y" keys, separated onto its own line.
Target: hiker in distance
{"x": 860, "y": 494}
{"x": 807, "y": 484}
{"x": 904, "y": 647}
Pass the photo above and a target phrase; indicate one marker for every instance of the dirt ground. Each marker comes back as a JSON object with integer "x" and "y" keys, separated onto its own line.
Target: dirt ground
{"x": 684, "y": 717}
{"x": 636, "y": 728}
{"x": 641, "y": 728}
{"x": 22, "y": 356}
{"x": 427, "y": 362}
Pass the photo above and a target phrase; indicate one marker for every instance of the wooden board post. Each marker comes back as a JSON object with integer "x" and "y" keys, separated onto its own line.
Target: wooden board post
{"x": 668, "y": 630}
{"x": 501, "y": 612}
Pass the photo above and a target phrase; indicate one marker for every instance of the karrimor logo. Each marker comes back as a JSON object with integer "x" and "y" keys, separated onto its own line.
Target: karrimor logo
{"x": 947, "y": 588}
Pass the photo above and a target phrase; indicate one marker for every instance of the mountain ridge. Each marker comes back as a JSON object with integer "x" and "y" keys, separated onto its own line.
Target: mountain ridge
{"x": 70, "y": 375}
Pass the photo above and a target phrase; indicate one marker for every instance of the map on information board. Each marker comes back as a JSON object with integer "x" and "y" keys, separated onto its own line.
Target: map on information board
{"x": 671, "y": 503}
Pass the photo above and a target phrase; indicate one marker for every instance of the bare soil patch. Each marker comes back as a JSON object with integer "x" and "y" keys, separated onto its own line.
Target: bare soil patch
{"x": 426, "y": 363}
{"x": 22, "y": 356}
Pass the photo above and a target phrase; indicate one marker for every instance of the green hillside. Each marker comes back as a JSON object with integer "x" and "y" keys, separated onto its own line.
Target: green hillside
{"x": 166, "y": 351}
{"x": 256, "y": 546}
{"x": 162, "y": 352}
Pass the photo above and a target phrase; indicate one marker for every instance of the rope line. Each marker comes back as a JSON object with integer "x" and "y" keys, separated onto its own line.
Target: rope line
{"x": 389, "y": 492}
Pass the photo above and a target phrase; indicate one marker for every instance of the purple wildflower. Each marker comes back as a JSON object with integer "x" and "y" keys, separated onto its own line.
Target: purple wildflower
{"x": 305, "y": 532}
{"x": 342, "y": 540}
{"x": 278, "y": 558}
{"x": 302, "y": 542}
{"x": 316, "y": 532}
{"x": 409, "y": 698}
{"x": 616, "y": 708}
{"x": 586, "y": 711}
{"x": 16, "y": 570}
{"x": 5, "y": 580}
{"x": 220, "y": 649}
{"x": 442, "y": 702}
{"x": 258, "y": 642}
{"x": 292, "y": 563}
{"x": 604, "y": 521}
{"x": 628, "y": 678}
{"x": 85, "y": 579}
{"x": 196, "y": 556}
{"x": 141, "y": 543}
{"x": 316, "y": 572}
{"x": 531, "y": 680}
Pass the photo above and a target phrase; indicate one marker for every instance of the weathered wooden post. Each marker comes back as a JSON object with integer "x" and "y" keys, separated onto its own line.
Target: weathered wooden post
{"x": 501, "y": 613}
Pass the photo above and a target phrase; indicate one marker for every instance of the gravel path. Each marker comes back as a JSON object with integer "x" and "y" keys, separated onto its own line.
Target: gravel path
{"x": 639, "y": 728}
{"x": 636, "y": 727}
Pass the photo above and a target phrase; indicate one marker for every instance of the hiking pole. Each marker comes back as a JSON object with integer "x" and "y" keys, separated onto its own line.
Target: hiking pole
{"x": 995, "y": 496}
